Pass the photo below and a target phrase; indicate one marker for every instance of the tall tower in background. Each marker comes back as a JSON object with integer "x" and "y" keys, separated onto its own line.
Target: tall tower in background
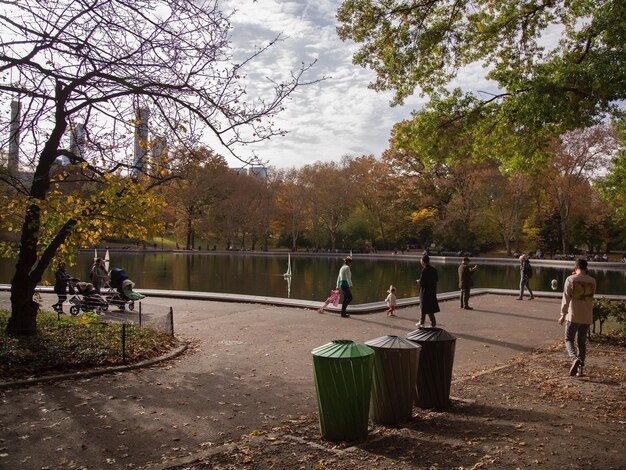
{"x": 159, "y": 148}
{"x": 77, "y": 142}
{"x": 141, "y": 139}
{"x": 14, "y": 138}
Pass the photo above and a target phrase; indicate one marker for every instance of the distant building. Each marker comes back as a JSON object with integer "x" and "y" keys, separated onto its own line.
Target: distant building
{"x": 141, "y": 138}
{"x": 259, "y": 171}
{"x": 14, "y": 138}
{"x": 77, "y": 143}
{"x": 159, "y": 148}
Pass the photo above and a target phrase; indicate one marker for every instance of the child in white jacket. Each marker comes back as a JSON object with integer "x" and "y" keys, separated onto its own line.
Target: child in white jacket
{"x": 391, "y": 301}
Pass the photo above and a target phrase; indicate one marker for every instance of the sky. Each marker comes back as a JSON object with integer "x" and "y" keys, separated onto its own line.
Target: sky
{"x": 336, "y": 117}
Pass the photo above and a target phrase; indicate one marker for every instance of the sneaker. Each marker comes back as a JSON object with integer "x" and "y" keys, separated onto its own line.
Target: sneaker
{"x": 573, "y": 370}
{"x": 467, "y": 307}
{"x": 520, "y": 298}
{"x": 420, "y": 325}
{"x": 531, "y": 298}
{"x": 579, "y": 373}
{"x": 345, "y": 316}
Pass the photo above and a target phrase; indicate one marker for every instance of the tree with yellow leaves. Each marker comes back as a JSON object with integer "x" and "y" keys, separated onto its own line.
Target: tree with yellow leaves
{"x": 103, "y": 89}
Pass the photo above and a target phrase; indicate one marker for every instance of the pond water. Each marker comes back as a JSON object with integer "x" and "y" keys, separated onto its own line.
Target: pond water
{"x": 312, "y": 276}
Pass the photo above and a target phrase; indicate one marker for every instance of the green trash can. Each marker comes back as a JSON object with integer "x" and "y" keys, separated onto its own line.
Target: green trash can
{"x": 395, "y": 374}
{"x": 343, "y": 381}
{"x": 434, "y": 376}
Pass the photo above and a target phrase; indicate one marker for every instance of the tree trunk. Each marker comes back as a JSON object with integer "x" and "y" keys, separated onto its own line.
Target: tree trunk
{"x": 294, "y": 241}
{"x": 24, "y": 309}
{"x": 190, "y": 239}
{"x": 507, "y": 243}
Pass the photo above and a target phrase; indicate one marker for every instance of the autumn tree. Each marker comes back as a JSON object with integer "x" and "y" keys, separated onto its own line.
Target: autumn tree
{"x": 201, "y": 185}
{"x": 612, "y": 190}
{"x": 376, "y": 188}
{"x": 113, "y": 69}
{"x": 578, "y": 158}
{"x": 292, "y": 206}
{"x": 330, "y": 191}
{"x": 504, "y": 204}
{"x": 420, "y": 46}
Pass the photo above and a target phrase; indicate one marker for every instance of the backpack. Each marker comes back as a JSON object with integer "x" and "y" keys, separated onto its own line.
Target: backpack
{"x": 528, "y": 272}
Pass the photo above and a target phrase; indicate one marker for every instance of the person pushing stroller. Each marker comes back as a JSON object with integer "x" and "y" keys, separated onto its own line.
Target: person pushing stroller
{"x": 61, "y": 281}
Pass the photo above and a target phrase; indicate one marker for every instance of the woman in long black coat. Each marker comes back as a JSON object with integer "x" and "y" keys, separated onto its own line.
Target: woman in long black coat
{"x": 428, "y": 292}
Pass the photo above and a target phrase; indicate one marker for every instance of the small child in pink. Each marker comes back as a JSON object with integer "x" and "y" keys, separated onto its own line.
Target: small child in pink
{"x": 391, "y": 301}
{"x": 332, "y": 299}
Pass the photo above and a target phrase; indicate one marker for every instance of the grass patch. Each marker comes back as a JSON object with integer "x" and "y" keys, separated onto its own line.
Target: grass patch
{"x": 75, "y": 343}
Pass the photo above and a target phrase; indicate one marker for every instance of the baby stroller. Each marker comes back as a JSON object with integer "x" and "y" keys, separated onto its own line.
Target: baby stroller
{"x": 121, "y": 290}
{"x": 85, "y": 298}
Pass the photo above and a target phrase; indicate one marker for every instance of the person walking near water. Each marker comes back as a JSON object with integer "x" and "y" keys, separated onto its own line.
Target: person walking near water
{"x": 577, "y": 314}
{"x": 428, "y": 293}
{"x": 466, "y": 282}
{"x": 99, "y": 275}
{"x": 61, "y": 279}
{"x": 526, "y": 272}
{"x": 344, "y": 282}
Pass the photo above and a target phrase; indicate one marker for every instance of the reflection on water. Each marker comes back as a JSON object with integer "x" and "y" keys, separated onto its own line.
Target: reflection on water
{"x": 312, "y": 277}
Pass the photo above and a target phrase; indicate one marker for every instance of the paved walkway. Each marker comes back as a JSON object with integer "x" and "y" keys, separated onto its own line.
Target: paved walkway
{"x": 249, "y": 367}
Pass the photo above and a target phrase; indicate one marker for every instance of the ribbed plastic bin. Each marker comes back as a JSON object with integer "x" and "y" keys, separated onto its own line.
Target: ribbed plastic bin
{"x": 343, "y": 381}
{"x": 434, "y": 375}
{"x": 395, "y": 375}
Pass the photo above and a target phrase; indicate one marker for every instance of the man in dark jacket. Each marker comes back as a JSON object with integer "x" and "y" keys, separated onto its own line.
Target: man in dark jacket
{"x": 428, "y": 292}
{"x": 466, "y": 282}
{"x": 61, "y": 279}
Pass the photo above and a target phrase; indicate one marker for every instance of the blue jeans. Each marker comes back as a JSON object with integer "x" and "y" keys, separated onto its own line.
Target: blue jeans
{"x": 580, "y": 330}
{"x": 524, "y": 281}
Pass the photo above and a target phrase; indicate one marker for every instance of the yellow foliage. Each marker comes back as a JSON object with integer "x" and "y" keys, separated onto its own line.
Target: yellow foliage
{"x": 118, "y": 208}
{"x": 425, "y": 215}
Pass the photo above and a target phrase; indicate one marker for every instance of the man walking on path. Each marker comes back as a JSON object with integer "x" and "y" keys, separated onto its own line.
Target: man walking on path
{"x": 344, "y": 282}
{"x": 466, "y": 282}
{"x": 577, "y": 313}
{"x": 525, "y": 272}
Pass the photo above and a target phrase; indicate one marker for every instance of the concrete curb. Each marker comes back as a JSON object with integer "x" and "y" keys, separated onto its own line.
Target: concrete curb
{"x": 96, "y": 372}
{"x": 314, "y": 305}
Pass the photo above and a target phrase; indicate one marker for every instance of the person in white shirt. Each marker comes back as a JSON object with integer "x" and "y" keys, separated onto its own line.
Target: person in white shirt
{"x": 577, "y": 314}
{"x": 344, "y": 282}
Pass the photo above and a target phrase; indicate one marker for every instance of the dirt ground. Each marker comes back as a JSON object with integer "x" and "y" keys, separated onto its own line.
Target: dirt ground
{"x": 243, "y": 396}
{"x": 527, "y": 413}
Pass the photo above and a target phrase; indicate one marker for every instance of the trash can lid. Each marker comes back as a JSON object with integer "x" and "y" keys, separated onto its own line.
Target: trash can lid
{"x": 391, "y": 342}
{"x": 342, "y": 349}
{"x": 430, "y": 334}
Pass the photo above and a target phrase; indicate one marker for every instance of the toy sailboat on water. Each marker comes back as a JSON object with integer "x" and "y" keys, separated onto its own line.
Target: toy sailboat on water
{"x": 288, "y": 273}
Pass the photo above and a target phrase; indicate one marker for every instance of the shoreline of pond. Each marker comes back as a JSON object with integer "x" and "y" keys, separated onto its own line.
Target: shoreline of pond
{"x": 409, "y": 256}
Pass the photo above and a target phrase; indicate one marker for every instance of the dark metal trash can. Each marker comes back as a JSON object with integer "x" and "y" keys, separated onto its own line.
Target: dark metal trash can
{"x": 434, "y": 375}
{"x": 343, "y": 382}
{"x": 395, "y": 375}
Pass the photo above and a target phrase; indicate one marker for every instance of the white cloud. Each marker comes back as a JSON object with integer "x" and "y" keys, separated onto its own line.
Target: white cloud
{"x": 325, "y": 121}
